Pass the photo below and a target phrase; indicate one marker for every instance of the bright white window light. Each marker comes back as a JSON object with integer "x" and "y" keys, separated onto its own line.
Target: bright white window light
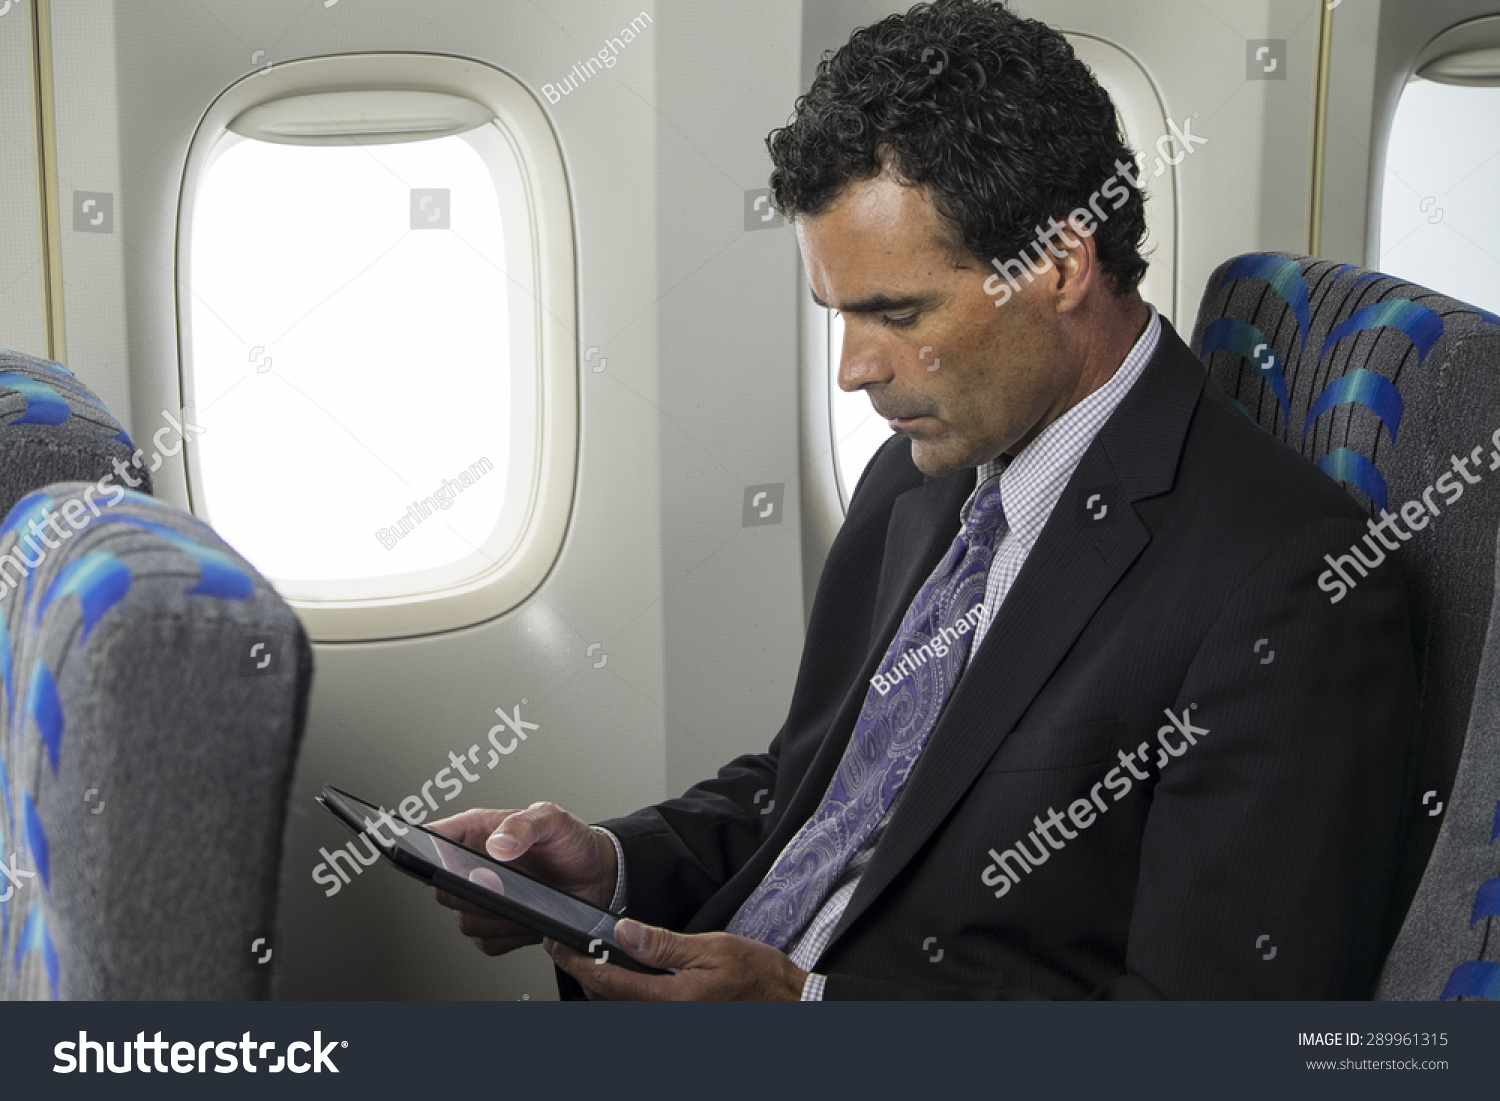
{"x": 1439, "y": 223}
{"x": 858, "y": 431}
{"x": 352, "y": 366}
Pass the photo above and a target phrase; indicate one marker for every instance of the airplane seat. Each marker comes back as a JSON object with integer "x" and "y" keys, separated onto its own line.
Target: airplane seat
{"x": 1382, "y": 383}
{"x": 54, "y": 429}
{"x": 155, "y": 690}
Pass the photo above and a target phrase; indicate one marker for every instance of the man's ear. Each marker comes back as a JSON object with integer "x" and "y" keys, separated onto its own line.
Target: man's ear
{"x": 1079, "y": 269}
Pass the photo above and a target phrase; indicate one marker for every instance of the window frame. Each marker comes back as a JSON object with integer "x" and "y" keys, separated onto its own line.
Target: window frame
{"x": 1468, "y": 38}
{"x": 546, "y": 496}
{"x": 1391, "y": 76}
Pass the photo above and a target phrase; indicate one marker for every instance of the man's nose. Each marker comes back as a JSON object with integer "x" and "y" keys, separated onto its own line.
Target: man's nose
{"x": 862, "y": 362}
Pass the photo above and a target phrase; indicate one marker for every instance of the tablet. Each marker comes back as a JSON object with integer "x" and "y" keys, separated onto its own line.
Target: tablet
{"x": 483, "y": 880}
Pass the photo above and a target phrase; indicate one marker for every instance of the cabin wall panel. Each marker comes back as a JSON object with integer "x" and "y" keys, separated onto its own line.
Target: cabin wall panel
{"x": 698, "y": 618}
{"x": 23, "y": 323}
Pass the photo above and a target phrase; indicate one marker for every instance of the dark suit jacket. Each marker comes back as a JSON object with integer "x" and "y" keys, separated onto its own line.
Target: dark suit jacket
{"x": 1277, "y": 830}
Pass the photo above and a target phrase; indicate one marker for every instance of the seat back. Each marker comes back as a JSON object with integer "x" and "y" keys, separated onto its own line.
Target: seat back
{"x": 53, "y": 429}
{"x": 1448, "y": 947}
{"x": 155, "y": 689}
{"x": 1384, "y": 385}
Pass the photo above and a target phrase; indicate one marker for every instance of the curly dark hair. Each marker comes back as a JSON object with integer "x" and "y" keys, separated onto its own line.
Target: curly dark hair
{"x": 1011, "y": 130}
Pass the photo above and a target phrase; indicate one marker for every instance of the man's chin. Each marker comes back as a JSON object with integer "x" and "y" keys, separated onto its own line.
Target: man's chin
{"x": 934, "y": 460}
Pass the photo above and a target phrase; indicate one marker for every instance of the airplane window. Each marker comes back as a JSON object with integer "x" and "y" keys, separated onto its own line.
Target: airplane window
{"x": 295, "y": 250}
{"x": 856, "y": 429}
{"x": 1439, "y": 225}
{"x": 378, "y": 346}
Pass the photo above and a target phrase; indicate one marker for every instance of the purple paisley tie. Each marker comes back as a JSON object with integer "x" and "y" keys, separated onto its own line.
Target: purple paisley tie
{"x": 906, "y": 697}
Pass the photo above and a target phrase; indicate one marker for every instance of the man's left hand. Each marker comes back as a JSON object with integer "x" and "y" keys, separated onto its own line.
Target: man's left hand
{"x": 710, "y": 967}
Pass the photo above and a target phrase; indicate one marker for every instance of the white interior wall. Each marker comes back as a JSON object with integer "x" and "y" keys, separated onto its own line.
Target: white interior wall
{"x": 700, "y": 617}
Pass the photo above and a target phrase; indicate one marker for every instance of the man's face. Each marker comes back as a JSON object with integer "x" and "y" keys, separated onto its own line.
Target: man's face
{"x": 963, "y": 379}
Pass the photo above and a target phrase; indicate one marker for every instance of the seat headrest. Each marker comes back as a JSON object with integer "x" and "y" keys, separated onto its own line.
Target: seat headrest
{"x": 53, "y": 428}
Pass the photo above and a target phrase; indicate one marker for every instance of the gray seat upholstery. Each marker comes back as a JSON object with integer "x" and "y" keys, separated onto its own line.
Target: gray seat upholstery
{"x": 1449, "y": 947}
{"x": 1382, "y": 383}
{"x": 155, "y": 689}
{"x": 53, "y": 429}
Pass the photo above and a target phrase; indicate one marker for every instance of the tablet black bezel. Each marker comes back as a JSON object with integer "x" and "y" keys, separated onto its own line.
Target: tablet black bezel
{"x": 336, "y": 801}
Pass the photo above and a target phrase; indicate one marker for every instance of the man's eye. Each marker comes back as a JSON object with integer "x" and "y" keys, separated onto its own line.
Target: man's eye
{"x": 900, "y": 322}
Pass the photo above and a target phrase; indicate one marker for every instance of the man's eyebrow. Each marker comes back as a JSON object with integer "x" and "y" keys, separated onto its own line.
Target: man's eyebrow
{"x": 880, "y": 303}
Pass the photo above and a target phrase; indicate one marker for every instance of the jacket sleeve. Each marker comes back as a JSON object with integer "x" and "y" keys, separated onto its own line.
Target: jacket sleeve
{"x": 1269, "y": 851}
{"x": 678, "y": 853}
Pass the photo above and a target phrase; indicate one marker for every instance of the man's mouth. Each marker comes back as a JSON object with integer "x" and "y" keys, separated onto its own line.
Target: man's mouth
{"x": 899, "y": 422}
{"x": 900, "y": 418}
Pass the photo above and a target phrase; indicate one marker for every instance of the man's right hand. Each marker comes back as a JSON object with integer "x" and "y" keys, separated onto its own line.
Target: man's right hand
{"x": 545, "y": 842}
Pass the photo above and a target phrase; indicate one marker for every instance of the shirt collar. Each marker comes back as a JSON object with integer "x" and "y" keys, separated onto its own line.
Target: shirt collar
{"x": 1031, "y": 482}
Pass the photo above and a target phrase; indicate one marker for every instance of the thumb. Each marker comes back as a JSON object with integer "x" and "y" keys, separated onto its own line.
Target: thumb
{"x": 515, "y": 835}
{"x": 655, "y": 946}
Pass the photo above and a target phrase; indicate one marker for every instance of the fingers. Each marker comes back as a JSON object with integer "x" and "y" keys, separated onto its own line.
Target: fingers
{"x": 522, "y": 830}
{"x": 500, "y": 944}
{"x": 453, "y": 902}
{"x": 656, "y": 947}
{"x": 710, "y": 966}
{"x": 471, "y": 827}
{"x": 493, "y": 934}
{"x": 464, "y": 906}
{"x": 603, "y": 981}
{"x": 545, "y": 841}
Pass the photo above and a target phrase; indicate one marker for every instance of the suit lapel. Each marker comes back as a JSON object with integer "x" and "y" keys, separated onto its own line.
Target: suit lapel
{"x": 1074, "y": 565}
{"x": 924, "y": 523}
{"x": 1066, "y": 577}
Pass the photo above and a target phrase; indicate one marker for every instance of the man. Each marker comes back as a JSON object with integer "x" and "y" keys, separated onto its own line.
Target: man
{"x": 1080, "y": 725}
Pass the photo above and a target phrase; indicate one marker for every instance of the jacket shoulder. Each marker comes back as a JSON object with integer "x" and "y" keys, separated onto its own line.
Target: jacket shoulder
{"x": 889, "y": 473}
{"x": 1266, "y": 483}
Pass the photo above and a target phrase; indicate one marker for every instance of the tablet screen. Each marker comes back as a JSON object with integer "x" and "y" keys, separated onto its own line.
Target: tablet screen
{"x": 493, "y": 876}
{"x": 506, "y": 882}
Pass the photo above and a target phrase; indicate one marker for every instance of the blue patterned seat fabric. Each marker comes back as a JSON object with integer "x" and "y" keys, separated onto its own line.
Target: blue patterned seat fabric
{"x": 1394, "y": 390}
{"x": 154, "y": 689}
{"x": 53, "y": 429}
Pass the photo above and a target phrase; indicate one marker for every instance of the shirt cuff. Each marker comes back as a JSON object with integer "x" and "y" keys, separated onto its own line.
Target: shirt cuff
{"x": 617, "y": 903}
{"x": 812, "y": 989}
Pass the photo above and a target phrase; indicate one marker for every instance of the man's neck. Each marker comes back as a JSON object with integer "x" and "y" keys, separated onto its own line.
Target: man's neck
{"x": 1110, "y": 337}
